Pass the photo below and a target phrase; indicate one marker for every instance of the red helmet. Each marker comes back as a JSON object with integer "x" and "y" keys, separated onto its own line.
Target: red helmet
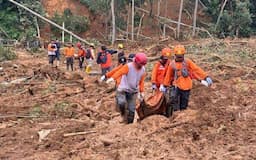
{"x": 78, "y": 45}
{"x": 141, "y": 58}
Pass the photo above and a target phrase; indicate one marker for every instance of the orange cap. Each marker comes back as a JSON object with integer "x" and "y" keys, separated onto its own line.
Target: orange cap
{"x": 166, "y": 52}
{"x": 179, "y": 49}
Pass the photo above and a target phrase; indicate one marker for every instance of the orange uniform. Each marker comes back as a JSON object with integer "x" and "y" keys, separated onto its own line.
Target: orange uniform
{"x": 113, "y": 71}
{"x": 159, "y": 72}
{"x": 81, "y": 52}
{"x": 108, "y": 62}
{"x": 183, "y": 83}
{"x": 69, "y": 51}
{"x": 50, "y": 48}
{"x": 136, "y": 77}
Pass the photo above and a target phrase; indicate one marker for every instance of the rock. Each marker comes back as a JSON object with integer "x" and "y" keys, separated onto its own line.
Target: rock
{"x": 43, "y": 134}
{"x": 15, "y": 66}
{"x": 106, "y": 141}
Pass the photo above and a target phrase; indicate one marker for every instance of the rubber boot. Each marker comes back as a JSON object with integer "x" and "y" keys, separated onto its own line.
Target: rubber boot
{"x": 169, "y": 111}
{"x": 130, "y": 118}
{"x": 57, "y": 64}
{"x": 122, "y": 110}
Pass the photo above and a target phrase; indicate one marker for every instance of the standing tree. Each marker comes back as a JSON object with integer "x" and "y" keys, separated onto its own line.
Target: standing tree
{"x": 113, "y": 21}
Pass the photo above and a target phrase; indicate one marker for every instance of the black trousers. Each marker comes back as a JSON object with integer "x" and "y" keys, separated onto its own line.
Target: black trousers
{"x": 81, "y": 61}
{"x": 70, "y": 62}
{"x": 179, "y": 98}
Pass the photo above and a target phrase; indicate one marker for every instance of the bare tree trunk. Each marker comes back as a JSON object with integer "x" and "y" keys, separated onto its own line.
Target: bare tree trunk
{"x": 237, "y": 32}
{"x": 113, "y": 21}
{"x": 63, "y": 33}
{"x": 194, "y": 19}
{"x": 165, "y": 15}
{"x": 141, "y": 18}
{"x": 221, "y": 11}
{"x": 158, "y": 7}
{"x": 158, "y": 14}
{"x": 37, "y": 28}
{"x": 128, "y": 21}
{"x": 151, "y": 7}
{"x": 132, "y": 20}
{"x": 179, "y": 21}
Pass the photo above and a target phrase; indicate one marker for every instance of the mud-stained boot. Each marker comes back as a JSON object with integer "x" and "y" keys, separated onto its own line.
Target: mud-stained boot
{"x": 57, "y": 64}
{"x": 130, "y": 118}
{"x": 122, "y": 110}
{"x": 169, "y": 111}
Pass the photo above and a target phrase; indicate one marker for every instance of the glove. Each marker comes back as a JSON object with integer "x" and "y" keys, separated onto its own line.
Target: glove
{"x": 103, "y": 78}
{"x": 110, "y": 80}
{"x": 209, "y": 81}
{"x": 162, "y": 88}
{"x": 140, "y": 96}
{"x": 154, "y": 86}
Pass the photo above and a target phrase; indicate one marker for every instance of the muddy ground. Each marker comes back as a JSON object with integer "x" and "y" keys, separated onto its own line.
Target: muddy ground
{"x": 219, "y": 124}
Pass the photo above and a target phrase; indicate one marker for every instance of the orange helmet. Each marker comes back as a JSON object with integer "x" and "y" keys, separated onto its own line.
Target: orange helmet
{"x": 166, "y": 52}
{"x": 179, "y": 49}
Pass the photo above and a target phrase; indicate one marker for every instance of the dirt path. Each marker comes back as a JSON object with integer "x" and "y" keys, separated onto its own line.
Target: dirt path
{"x": 219, "y": 124}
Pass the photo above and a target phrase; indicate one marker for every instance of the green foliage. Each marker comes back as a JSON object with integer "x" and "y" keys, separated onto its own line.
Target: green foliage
{"x": 97, "y": 6}
{"x": 236, "y": 19}
{"x": 18, "y": 23}
{"x": 6, "y": 54}
{"x": 74, "y": 23}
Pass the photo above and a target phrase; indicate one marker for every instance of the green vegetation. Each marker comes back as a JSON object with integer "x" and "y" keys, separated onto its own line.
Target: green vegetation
{"x": 18, "y": 23}
{"x": 238, "y": 18}
{"x": 74, "y": 23}
{"x": 6, "y": 54}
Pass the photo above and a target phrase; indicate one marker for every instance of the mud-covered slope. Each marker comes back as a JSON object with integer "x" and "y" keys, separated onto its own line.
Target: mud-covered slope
{"x": 219, "y": 123}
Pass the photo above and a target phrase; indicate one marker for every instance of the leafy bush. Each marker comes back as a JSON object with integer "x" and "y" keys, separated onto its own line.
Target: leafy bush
{"x": 6, "y": 54}
{"x": 236, "y": 19}
{"x": 97, "y": 6}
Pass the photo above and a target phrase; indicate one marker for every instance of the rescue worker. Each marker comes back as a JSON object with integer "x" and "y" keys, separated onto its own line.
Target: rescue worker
{"x": 132, "y": 84}
{"x": 104, "y": 58}
{"x": 131, "y": 57}
{"x": 122, "y": 62}
{"x": 179, "y": 75}
{"x": 89, "y": 57}
{"x": 51, "y": 52}
{"x": 120, "y": 50}
{"x": 160, "y": 68}
{"x": 69, "y": 52}
{"x": 81, "y": 55}
{"x": 57, "y": 43}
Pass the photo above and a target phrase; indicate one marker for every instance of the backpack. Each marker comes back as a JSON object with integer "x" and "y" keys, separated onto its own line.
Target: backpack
{"x": 102, "y": 58}
{"x": 184, "y": 70}
{"x": 88, "y": 54}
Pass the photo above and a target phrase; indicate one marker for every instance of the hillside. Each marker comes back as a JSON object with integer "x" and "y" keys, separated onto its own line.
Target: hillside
{"x": 219, "y": 123}
{"x": 97, "y": 27}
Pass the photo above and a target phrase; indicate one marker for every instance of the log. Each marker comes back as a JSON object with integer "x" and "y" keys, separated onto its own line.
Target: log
{"x": 78, "y": 133}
